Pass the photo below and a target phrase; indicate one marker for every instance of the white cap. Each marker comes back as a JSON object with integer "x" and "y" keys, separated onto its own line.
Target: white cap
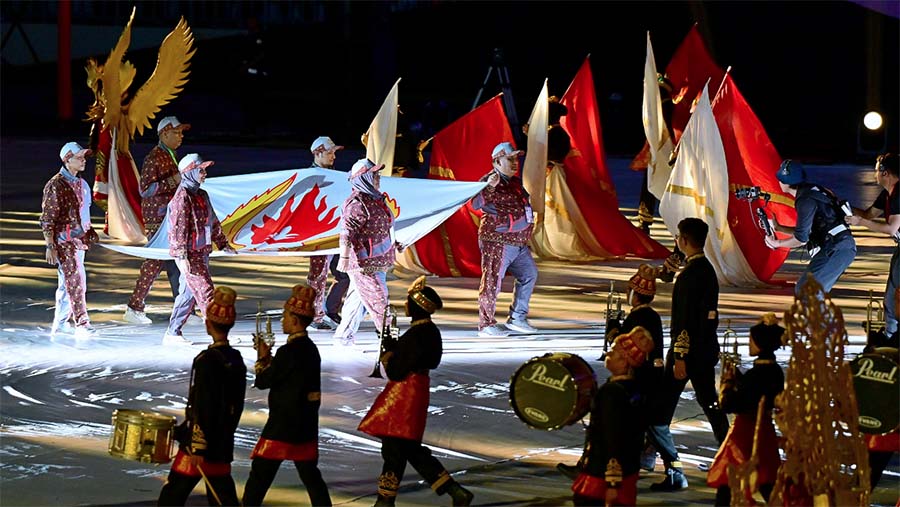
{"x": 171, "y": 122}
{"x": 363, "y": 166}
{"x": 324, "y": 143}
{"x": 505, "y": 150}
{"x": 71, "y": 149}
{"x": 192, "y": 161}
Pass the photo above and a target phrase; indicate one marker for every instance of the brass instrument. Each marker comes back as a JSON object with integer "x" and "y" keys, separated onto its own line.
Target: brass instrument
{"x": 267, "y": 336}
{"x": 730, "y": 360}
{"x": 612, "y": 317}
{"x": 389, "y": 335}
{"x": 874, "y": 308}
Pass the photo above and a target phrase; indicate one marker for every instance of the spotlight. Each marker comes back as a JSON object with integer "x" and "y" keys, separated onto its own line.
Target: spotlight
{"x": 872, "y": 120}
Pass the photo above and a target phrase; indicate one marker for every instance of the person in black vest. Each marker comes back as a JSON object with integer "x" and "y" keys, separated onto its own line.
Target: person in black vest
{"x": 616, "y": 435}
{"x": 740, "y": 394}
{"x": 215, "y": 402}
{"x": 820, "y": 226}
{"x": 292, "y": 430}
{"x": 694, "y": 349}
{"x": 399, "y": 413}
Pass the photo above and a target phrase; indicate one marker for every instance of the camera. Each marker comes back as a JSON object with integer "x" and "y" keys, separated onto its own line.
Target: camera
{"x": 751, "y": 193}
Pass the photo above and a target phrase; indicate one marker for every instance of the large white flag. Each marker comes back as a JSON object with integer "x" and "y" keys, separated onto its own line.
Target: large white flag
{"x": 698, "y": 187}
{"x": 534, "y": 173}
{"x": 658, "y": 169}
{"x": 298, "y": 211}
{"x": 382, "y": 134}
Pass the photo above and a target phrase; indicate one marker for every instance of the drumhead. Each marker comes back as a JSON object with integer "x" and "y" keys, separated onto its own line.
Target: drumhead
{"x": 877, "y": 393}
{"x": 552, "y": 391}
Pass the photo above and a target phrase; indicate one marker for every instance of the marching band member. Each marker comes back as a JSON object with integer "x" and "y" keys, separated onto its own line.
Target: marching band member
{"x": 740, "y": 394}
{"x": 399, "y": 413}
{"x": 292, "y": 431}
{"x": 66, "y": 224}
{"x": 193, "y": 229}
{"x": 366, "y": 249}
{"x": 324, "y": 153}
{"x": 159, "y": 182}
{"x": 503, "y": 237}
{"x": 616, "y": 433}
{"x": 214, "y": 406}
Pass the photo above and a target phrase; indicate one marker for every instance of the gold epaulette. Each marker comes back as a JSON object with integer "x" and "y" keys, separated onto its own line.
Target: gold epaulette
{"x": 613, "y": 474}
{"x": 682, "y": 345}
{"x": 198, "y": 439}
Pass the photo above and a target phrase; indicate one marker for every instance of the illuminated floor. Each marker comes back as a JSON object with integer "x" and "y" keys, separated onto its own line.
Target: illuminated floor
{"x": 58, "y": 396}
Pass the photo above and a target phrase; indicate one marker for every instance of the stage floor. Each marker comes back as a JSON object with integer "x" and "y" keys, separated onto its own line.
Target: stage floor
{"x": 58, "y": 395}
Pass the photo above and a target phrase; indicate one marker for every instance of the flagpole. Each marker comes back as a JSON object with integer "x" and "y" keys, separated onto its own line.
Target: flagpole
{"x": 724, "y": 77}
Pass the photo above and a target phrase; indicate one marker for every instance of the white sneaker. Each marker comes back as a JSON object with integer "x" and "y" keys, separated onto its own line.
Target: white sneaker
{"x": 85, "y": 331}
{"x": 325, "y": 324}
{"x": 135, "y": 317}
{"x": 520, "y": 325}
{"x": 64, "y": 328}
{"x": 493, "y": 332}
{"x": 175, "y": 339}
{"x": 194, "y": 320}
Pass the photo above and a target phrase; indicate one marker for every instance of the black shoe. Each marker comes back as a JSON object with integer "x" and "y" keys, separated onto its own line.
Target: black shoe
{"x": 570, "y": 471}
{"x": 334, "y": 317}
{"x": 459, "y": 494}
{"x": 674, "y": 481}
{"x": 385, "y": 501}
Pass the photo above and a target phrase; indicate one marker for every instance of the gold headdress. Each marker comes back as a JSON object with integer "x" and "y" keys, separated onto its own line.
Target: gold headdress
{"x": 415, "y": 292}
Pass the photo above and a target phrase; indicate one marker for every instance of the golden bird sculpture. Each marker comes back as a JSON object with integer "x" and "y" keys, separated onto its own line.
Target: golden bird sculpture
{"x": 117, "y": 118}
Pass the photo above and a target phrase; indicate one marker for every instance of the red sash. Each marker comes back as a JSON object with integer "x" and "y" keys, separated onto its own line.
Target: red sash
{"x": 889, "y": 442}
{"x": 738, "y": 446}
{"x": 183, "y": 466}
{"x": 592, "y": 487}
{"x": 400, "y": 410}
{"x": 278, "y": 450}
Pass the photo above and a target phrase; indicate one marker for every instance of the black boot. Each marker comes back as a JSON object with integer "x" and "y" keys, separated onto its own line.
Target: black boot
{"x": 674, "y": 481}
{"x": 570, "y": 471}
{"x": 385, "y": 501}
{"x": 459, "y": 494}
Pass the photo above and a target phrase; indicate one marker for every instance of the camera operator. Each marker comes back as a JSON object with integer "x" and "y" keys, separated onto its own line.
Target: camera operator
{"x": 820, "y": 227}
{"x": 886, "y": 205}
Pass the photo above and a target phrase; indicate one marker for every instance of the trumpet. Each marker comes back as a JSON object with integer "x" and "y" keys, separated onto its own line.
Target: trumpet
{"x": 267, "y": 336}
{"x": 874, "y": 309}
{"x": 389, "y": 335}
{"x": 730, "y": 361}
{"x": 613, "y": 317}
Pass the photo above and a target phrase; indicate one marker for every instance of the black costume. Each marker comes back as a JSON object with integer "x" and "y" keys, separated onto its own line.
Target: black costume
{"x": 292, "y": 430}
{"x": 695, "y": 318}
{"x": 214, "y": 407}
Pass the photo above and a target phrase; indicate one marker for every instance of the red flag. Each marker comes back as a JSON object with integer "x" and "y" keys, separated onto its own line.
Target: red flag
{"x": 691, "y": 66}
{"x": 752, "y": 161}
{"x": 462, "y": 151}
{"x": 588, "y": 177}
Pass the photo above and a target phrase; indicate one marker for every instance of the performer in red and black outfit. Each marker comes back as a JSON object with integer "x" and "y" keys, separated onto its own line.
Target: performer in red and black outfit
{"x": 327, "y": 310}
{"x": 398, "y": 415}
{"x": 159, "y": 181}
{"x": 740, "y": 394}
{"x": 366, "y": 250}
{"x": 616, "y": 434}
{"x": 503, "y": 237}
{"x": 193, "y": 229}
{"x": 694, "y": 349}
{"x": 292, "y": 430}
{"x": 68, "y": 233}
{"x": 215, "y": 403}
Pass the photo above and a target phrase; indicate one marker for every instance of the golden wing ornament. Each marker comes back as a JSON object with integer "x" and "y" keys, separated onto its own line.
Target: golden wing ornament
{"x": 169, "y": 77}
{"x": 110, "y": 76}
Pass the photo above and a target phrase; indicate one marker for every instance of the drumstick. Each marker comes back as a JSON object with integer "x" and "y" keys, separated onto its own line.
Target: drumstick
{"x": 209, "y": 485}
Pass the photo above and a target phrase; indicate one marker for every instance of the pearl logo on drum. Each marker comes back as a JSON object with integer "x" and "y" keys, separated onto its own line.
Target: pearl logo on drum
{"x": 539, "y": 376}
{"x": 868, "y": 371}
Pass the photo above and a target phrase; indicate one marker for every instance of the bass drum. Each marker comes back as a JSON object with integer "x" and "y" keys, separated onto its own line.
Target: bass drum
{"x": 552, "y": 391}
{"x": 142, "y": 436}
{"x": 877, "y": 391}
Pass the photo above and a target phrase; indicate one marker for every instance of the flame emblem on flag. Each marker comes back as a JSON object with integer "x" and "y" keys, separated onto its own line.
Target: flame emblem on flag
{"x": 243, "y": 214}
{"x": 392, "y": 205}
{"x": 295, "y": 225}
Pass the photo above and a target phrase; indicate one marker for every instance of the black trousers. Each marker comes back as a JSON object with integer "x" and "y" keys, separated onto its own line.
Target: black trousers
{"x": 178, "y": 488}
{"x": 703, "y": 378}
{"x": 338, "y": 289}
{"x": 878, "y": 461}
{"x": 262, "y": 473}
{"x": 399, "y": 451}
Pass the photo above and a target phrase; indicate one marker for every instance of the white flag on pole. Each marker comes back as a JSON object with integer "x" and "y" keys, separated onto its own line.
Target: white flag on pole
{"x": 658, "y": 169}
{"x": 534, "y": 173}
{"x": 382, "y": 134}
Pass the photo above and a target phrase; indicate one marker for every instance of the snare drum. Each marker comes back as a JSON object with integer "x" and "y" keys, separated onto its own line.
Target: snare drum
{"x": 877, "y": 391}
{"x": 142, "y": 436}
{"x": 552, "y": 391}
